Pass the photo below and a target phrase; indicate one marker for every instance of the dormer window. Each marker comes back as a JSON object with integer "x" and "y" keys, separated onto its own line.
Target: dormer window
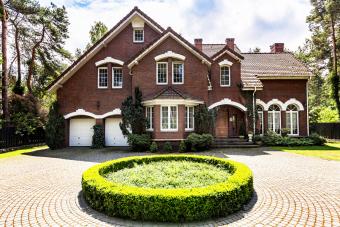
{"x": 138, "y": 35}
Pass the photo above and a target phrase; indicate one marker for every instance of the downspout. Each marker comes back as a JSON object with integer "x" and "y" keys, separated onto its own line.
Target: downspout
{"x": 254, "y": 106}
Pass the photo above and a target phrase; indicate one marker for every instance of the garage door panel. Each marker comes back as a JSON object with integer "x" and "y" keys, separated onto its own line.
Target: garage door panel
{"x": 113, "y": 133}
{"x": 81, "y": 131}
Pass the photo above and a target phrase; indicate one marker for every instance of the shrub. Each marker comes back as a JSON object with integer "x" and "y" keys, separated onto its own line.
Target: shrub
{"x": 55, "y": 128}
{"x": 153, "y": 147}
{"x": 139, "y": 142}
{"x": 167, "y": 147}
{"x": 171, "y": 205}
{"x": 285, "y": 132}
{"x": 317, "y": 139}
{"x": 204, "y": 119}
{"x": 98, "y": 138}
{"x": 182, "y": 147}
{"x": 273, "y": 139}
{"x": 196, "y": 142}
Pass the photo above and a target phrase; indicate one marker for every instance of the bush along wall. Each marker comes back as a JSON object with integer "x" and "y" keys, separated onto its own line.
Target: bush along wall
{"x": 98, "y": 138}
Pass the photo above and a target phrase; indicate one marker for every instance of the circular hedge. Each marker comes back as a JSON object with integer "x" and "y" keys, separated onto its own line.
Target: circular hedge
{"x": 171, "y": 205}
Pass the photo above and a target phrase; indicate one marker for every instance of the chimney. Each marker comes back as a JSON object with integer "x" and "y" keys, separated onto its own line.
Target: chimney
{"x": 230, "y": 42}
{"x": 277, "y": 48}
{"x": 198, "y": 43}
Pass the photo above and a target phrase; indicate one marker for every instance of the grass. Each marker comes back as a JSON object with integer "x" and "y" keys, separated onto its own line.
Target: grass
{"x": 330, "y": 151}
{"x": 170, "y": 174}
{"x": 22, "y": 151}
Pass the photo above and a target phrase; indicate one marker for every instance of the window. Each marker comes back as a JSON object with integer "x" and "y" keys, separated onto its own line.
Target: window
{"x": 138, "y": 35}
{"x": 292, "y": 119}
{"x": 225, "y": 76}
{"x": 149, "y": 118}
{"x": 260, "y": 116}
{"x": 169, "y": 118}
{"x": 102, "y": 77}
{"x": 177, "y": 73}
{"x": 162, "y": 72}
{"x": 189, "y": 118}
{"x": 117, "y": 77}
{"x": 274, "y": 118}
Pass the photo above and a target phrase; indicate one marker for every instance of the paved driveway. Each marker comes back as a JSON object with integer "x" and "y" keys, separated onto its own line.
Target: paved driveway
{"x": 43, "y": 188}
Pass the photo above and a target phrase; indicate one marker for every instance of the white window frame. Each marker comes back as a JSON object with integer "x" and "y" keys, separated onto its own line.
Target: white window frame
{"x": 167, "y": 79}
{"x": 262, "y": 121}
{"x": 113, "y": 79}
{"x": 225, "y": 85}
{"x": 98, "y": 77}
{"x": 134, "y": 35}
{"x": 173, "y": 74}
{"x": 290, "y": 112}
{"x": 151, "y": 117}
{"x": 273, "y": 112}
{"x": 188, "y": 119}
{"x": 169, "y": 120}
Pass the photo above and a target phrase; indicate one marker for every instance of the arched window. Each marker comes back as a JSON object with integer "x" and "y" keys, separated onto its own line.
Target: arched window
{"x": 260, "y": 119}
{"x": 274, "y": 118}
{"x": 292, "y": 119}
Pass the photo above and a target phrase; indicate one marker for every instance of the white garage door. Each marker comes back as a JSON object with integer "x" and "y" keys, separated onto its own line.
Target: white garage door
{"x": 113, "y": 134}
{"x": 81, "y": 131}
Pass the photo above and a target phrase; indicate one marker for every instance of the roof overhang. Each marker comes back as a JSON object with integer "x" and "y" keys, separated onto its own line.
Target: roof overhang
{"x": 159, "y": 41}
{"x": 252, "y": 88}
{"x": 226, "y": 50}
{"x": 99, "y": 45}
{"x": 290, "y": 77}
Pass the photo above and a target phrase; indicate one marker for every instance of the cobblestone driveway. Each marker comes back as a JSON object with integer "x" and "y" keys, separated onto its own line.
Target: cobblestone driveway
{"x": 43, "y": 188}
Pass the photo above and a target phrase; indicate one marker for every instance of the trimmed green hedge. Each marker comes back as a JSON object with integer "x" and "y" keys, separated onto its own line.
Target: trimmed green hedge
{"x": 167, "y": 205}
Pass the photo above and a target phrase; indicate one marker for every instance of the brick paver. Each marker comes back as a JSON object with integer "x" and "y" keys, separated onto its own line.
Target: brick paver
{"x": 43, "y": 188}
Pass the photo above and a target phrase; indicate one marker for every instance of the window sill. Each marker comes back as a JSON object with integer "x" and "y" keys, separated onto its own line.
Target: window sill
{"x": 102, "y": 87}
{"x": 117, "y": 87}
{"x": 149, "y": 129}
{"x": 225, "y": 85}
{"x": 138, "y": 41}
{"x": 189, "y": 129}
{"x": 169, "y": 130}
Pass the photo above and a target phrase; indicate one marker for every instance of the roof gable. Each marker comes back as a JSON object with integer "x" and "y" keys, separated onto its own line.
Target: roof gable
{"x": 113, "y": 32}
{"x": 169, "y": 33}
{"x": 229, "y": 51}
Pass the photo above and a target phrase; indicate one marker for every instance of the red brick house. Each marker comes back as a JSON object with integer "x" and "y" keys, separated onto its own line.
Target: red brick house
{"x": 174, "y": 77}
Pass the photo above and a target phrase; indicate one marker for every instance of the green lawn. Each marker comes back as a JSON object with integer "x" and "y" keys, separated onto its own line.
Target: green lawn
{"x": 22, "y": 151}
{"x": 330, "y": 151}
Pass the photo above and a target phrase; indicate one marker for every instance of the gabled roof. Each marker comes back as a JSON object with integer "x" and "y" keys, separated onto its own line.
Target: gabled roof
{"x": 101, "y": 43}
{"x": 212, "y": 49}
{"x": 229, "y": 51}
{"x": 273, "y": 66}
{"x": 169, "y": 93}
{"x": 169, "y": 33}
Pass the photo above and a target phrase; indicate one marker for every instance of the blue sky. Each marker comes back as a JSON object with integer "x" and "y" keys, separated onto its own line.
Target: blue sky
{"x": 253, "y": 23}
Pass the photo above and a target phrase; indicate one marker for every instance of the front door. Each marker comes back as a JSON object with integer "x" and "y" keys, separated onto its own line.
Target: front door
{"x": 233, "y": 125}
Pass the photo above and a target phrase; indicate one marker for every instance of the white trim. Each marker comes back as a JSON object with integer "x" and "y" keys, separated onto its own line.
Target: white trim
{"x": 170, "y": 54}
{"x": 102, "y": 44}
{"x": 82, "y": 112}
{"x": 188, "y": 119}
{"x": 167, "y": 76}
{"x": 165, "y": 36}
{"x": 134, "y": 36}
{"x": 227, "y": 101}
{"x": 261, "y": 103}
{"x": 151, "y": 114}
{"x": 172, "y": 102}
{"x": 109, "y": 60}
{"x": 307, "y": 112}
{"x": 225, "y": 62}
{"x": 295, "y": 102}
{"x": 290, "y": 112}
{"x": 262, "y": 122}
{"x": 276, "y": 102}
{"x": 274, "y": 112}
{"x": 116, "y": 87}
{"x": 225, "y": 85}
{"x": 107, "y": 77}
{"x": 169, "y": 120}
{"x": 229, "y": 53}
{"x": 177, "y": 62}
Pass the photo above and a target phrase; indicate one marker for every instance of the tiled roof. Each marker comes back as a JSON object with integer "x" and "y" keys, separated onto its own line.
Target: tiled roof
{"x": 212, "y": 49}
{"x": 169, "y": 93}
{"x": 272, "y": 65}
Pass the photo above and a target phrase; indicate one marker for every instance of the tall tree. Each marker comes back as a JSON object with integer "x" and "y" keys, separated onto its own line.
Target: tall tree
{"x": 97, "y": 31}
{"x": 4, "y": 33}
{"x": 324, "y": 23}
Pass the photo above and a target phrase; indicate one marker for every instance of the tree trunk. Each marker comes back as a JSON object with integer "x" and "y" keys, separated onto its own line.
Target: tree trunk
{"x": 335, "y": 76}
{"x": 32, "y": 62}
{"x": 4, "y": 19}
{"x": 17, "y": 49}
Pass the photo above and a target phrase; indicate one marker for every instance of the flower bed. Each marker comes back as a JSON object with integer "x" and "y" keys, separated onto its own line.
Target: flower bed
{"x": 167, "y": 204}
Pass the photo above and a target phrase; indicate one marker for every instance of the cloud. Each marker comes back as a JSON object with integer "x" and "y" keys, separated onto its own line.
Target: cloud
{"x": 253, "y": 23}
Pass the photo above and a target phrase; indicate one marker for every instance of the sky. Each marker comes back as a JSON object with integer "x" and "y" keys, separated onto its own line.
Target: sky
{"x": 253, "y": 23}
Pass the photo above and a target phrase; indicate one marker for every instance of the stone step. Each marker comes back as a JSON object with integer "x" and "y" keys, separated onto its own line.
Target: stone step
{"x": 236, "y": 146}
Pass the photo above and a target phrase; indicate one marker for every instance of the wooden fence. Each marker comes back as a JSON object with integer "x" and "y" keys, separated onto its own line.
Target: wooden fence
{"x": 327, "y": 130}
{"x": 8, "y": 137}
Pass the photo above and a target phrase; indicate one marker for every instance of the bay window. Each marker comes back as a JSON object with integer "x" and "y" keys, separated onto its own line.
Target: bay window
{"x": 274, "y": 118}
{"x": 149, "y": 118}
{"x": 292, "y": 119}
{"x": 169, "y": 118}
{"x": 189, "y": 118}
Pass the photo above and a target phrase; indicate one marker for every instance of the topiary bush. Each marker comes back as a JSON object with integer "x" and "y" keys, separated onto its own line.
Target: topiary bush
{"x": 55, "y": 128}
{"x": 197, "y": 142}
{"x": 138, "y": 142}
{"x": 153, "y": 147}
{"x": 98, "y": 138}
{"x": 167, "y": 205}
{"x": 167, "y": 147}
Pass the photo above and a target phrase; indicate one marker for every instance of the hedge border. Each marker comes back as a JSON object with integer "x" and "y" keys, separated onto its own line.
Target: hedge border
{"x": 167, "y": 205}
